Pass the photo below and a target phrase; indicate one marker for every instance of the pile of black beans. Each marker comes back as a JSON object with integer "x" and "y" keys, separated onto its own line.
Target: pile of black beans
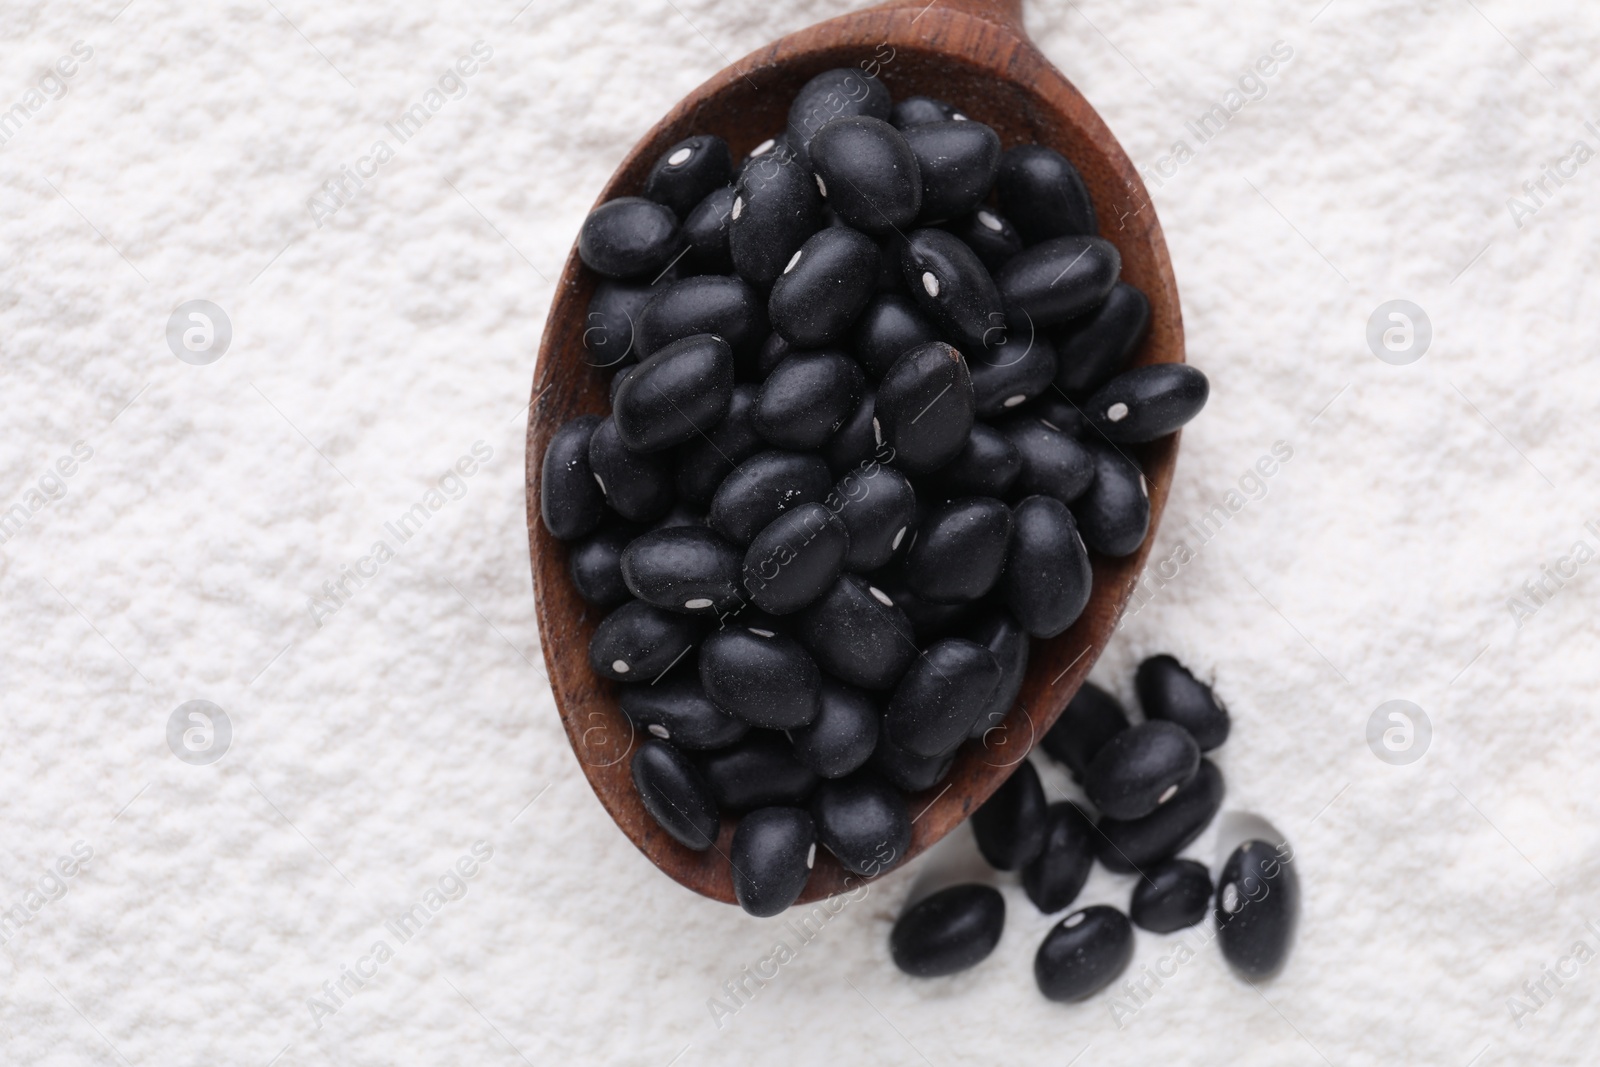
{"x": 1155, "y": 793}
{"x": 869, "y": 418}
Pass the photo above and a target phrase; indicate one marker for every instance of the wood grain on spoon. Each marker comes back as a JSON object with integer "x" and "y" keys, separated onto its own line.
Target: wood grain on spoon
{"x": 974, "y": 54}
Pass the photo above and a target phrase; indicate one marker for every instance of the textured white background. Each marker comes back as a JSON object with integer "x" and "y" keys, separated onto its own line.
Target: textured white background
{"x": 372, "y": 352}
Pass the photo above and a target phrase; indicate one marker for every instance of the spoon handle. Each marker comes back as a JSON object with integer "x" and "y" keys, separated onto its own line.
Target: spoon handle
{"x": 1007, "y": 13}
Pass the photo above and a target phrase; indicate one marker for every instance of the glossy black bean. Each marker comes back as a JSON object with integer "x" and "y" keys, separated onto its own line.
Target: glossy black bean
{"x": 916, "y": 110}
{"x": 1167, "y": 690}
{"x": 941, "y": 696}
{"x": 952, "y": 287}
{"x": 1114, "y": 514}
{"x": 758, "y": 772}
{"x": 1148, "y": 402}
{"x": 990, "y": 235}
{"x": 958, "y": 162}
{"x": 925, "y": 407}
{"x": 676, "y": 709}
{"x": 1140, "y": 769}
{"x": 706, "y": 233}
{"x": 764, "y": 487}
{"x": 771, "y": 856}
{"x": 570, "y": 500}
{"x": 863, "y": 821}
{"x": 776, "y": 207}
{"x": 928, "y": 621}
{"x": 1055, "y": 877}
{"x": 675, "y": 794}
{"x": 855, "y": 442}
{"x": 867, "y": 173}
{"x": 725, "y": 306}
{"x": 611, "y": 325}
{"x": 685, "y": 568}
{"x": 1090, "y": 720}
{"x": 877, "y": 505}
{"x": 1058, "y": 413}
{"x": 833, "y": 94}
{"x": 890, "y": 327}
{"x": 960, "y": 550}
{"x": 706, "y": 460}
{"x": 1060, "y": 279}
{"x": 807, "y": 397}
{"x": 765, "y": 678}
{"x": 1083, "y": 953}
{"x": 1172, "y": 896}
{"x": 1131, "y": 845}
{"x": 795, "y": 559}
{"x": 905, "y": 770}
{"x": 1258, "y": 907}
{"x": 1012, "y": 372}
{"x": 844, "y": 733}
{"x": 637, "y": 485}
{"x": 1048, "y": 578}
{"x": 987, "y": 466}
{"x": 1002, "y": 635}
{"x": 856, "y": 633}
{"x": 675, "y": 395}
{"x": 1090, "y": 349}
{"x": 687, "y": 172}
{"x": 1053, "y": 464}
{"x": 1010, "y": 825}
{"x": 638, "y": 641}
{"x": 824, "y": 287}
{"x": 948, "y": 931}
{"x": 629, "y": 237}
{"x": 1043, "y": 194}
{"x": 595, "y": 564}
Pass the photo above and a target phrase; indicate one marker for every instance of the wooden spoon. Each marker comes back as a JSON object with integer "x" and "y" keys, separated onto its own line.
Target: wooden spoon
{"x": 974, "y": 54}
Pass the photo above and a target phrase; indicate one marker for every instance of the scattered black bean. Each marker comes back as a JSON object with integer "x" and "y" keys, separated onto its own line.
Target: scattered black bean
{"x": 952, "y": 287}
{"x": 1010, "y": 825}
{"x": 941, "y": 696}
{"x": 1056, "y": 875}
{"x": 1171, "y": 896}
{"x": 687, "y": 172}
{"x": 1043, "y": 194}
{"x": 890, "y": 327}
{"x": 795, "y": 559}
{"x": 925, "y": 407}
{"x": 948, "y": 931}
{"x": 706, "y": 232}
{"x": 958, "y": 162}
{"x": 1131, "y": 845}
{"x": 868, "y": 174}
{"x": 765, "y": 678}
{"x": 569, "y": 498}
{"x": 611, "y": 325}
{"x": 1047, "y": 578}
{"x": 629, "y": 237}
{"x": 638, "y": 641}
{"x": 990, "y": 235}
{"x": 807, "y": 397}
{"x": 1167, "y": 690}
{"x": 725, "y": 306}
{"x": 1148, "y": 402}
{"x": 771, "y": 856}
{"x": 844, "y": 733}
{"x": 1140, "y": 769}
{"x": 1083, "y": 953}
{"x": 757, "y": 772}
{"x": 856, "y": 633}
{"x": 675, "y": 794}
{"x": 1053, "y": 463}
{"x": 764, "y": 487}
{"x": 676, "y": 709}
{"x": 1000, "y": 633}
{"x": 1090, "y": 720}
{"x": 684, "y": 568}
{"x": 863, "y": 821}
{"x": 776, "y": 207}
{"x": 1091, "y": 349}
{"x": 596, "y": 564}
{"x": 1114, "y": 513}
{"x": 960, "y": 550}
{"x": 1011, "y": 373}
{"x": 833, "y": 94}
{"x": 1258, "y": 907}
{"x": 1060, "y": 279}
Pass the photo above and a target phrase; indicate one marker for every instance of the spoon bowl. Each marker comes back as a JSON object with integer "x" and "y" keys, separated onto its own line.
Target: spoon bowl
{"x": 975, "y": 55}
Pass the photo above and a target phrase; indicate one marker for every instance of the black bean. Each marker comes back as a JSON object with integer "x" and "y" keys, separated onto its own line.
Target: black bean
{"x": 1083, "y": 953}
{"x": 676, "y": 394}
{"x": 757, "y": 772}
{"x": 1167, "y": 690}
{"x": 639, "y": 641}
{"x": 772, "y": 353}
{"x": 611, "y": 325}
{"x": 807, "y": 397}
{"x": 1114, "y": 514}
{"x": 1010, "y": 825}
{"x": 768, "y": 150}
{"x": 684, "y": 568}
{"x": 706, "y": 232}
{"x": 629, "y": 237}
{"x": 776, "y": 207}
{"x": 675, "y": 794}
{"x": 764, "y": 487}
{"x": 925, "y": 407}
{"x": 948, "y": 931}
{"x": 1001, "y": 634}
{"x": 863, "y": 821}
{"x": 1056, "y": 875}
{"x": 795, "y": 559}
{"x": 1258, "y": 907}
{"x": 953, "y": 288}
{"x": 867, "y": 173}
{"x": 1141, "y": 769}
{"x": 824, "y": 287}
{"x": 764, "y": 677}
{"x": 958, "y": 162}
{"x": 1089, "y": 350}
{"x": 1130, "y": 845}
{"x": 676, "y": 709}
{"x": 617, "y": 381}
{"x": 710, "y": 303}
{"x": 990, "y": 235}
{"x": 987, "y": 466}
{"x": 916, "y": 110}
{"x": 569, "y": 498}
{"x": 596, "y": 564}
{"x": 877, "y": 506}
{"x": 1048, "y": 578}
{"x": 1060, "y": 279}
{"x": 708, "y": 459}
{"x": 960, "y": 550}
{"x": 928, "y": 621}
{"x": 890, "y": 327}
{"x": 682, "y": 514}
{"x": 833, "y": 94}
{"x": 1043, "y": 194}
{"x": 1090, "y": 720}
{"x": 856, "y": 633}
{"x": 854, "y": 443}
{"x": 1170, "y": 897}
{"x": 637, "y": 485}
{"x": 1148, "y": 402}
{"x": 844, "y": 733}
{"x": 771, "y": 856}
{"x": 941, "y": 696}
{"x": 1052, "y": 463}
{"x": 1012, "y": 372}
{"x": 688, "y": 171}
{"x": 903, "y": 769}
{"x": 1058, "y": 413}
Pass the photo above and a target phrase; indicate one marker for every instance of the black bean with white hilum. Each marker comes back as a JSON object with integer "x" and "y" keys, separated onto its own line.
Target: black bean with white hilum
{"x": 872, "y": 414}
